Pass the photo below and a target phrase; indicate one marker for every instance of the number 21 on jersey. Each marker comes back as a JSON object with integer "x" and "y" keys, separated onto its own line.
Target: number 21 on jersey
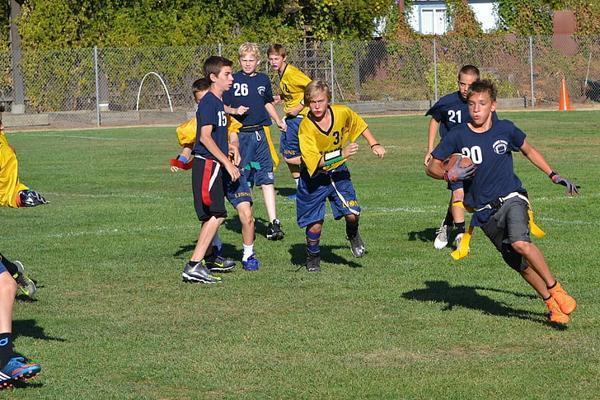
{"x": 455, "y": 116}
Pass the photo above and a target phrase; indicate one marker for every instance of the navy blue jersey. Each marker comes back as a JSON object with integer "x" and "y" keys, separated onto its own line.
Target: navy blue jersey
{"x": 211, "y": 112}
{"x": 450, "y": 111}
{"x": 252, "y": 91}
{"x": 491, "y": 151}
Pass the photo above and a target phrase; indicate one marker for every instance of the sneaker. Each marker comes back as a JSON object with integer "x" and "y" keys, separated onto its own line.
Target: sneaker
{"x": 566, "y": 303}
{"x": 31, "y": 198}
{"x": 198, "y": 273}
{"x": 357, "y": 246}
{"x": 274, "y": 231}
{"x": 251, "y": 264}
{"x": 555, "y": 315}
{"x": 216, "y": 263}
{"x": 313, "y": 262}
{"x": 457, "y": 240}
{"x": 16, "y": 369}
{"x": 441, "y": 238}
{"x": 24, "y": 284}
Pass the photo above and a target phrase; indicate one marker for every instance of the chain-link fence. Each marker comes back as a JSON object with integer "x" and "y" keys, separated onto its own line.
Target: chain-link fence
{"x": 145, "y": 85}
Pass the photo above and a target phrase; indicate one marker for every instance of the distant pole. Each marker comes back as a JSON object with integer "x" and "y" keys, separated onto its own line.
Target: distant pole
{"x": 97, "y": 86}
{"x": 435, "y": 72}
{"x": 531, "y": 71}
{"x": 18, "y": 103}
{"x": 332, "y": 72}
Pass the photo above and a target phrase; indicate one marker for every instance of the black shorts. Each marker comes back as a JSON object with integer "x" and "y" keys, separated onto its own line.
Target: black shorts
{"x": 208, "y": 189}
{"x": 508, "y": 225}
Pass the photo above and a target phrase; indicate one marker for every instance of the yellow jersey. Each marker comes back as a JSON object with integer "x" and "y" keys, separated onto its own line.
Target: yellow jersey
{"x": 186, "y": 132}
{"x": 346, "y": 126}
{"x": 292, "y": 84}
{"x": 10, "y": 186}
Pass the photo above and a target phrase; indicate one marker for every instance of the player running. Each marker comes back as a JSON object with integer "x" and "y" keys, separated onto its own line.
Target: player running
{"x": 498, "y": 196}
{"x": 327, "y": 139}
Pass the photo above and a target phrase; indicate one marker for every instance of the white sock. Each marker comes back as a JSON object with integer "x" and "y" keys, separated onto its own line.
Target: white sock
{"x": 248, "y": 251}
{"x": 297, "y": 180}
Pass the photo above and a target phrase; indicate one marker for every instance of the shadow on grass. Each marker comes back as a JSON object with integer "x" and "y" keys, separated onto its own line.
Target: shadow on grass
{"x": 285, "y": 192}
{"x": 468, "y": 297}
{"x": 30, "y": 328}
{"x": 426, "y": 235}
{"x": 298, "y": 256}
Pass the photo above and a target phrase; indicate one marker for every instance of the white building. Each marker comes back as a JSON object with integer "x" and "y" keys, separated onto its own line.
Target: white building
{"x": 431, "y": 16}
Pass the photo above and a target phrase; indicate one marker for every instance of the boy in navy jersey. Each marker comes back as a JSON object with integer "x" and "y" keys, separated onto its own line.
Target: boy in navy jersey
{"x": 497, "y": 195}
{"x": 449, "y": 111}
{"x": 253, "y": 90}
{"x": 211, "y": 152}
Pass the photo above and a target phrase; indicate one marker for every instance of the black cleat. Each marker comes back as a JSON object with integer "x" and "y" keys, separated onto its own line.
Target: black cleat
{"x": 216, "y": 263}
{"x": 313, "y": 262}
{"x": 357, "y": 246}
{"x": 274, "y": 231}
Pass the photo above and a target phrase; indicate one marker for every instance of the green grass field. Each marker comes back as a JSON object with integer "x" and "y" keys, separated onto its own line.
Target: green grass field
{"x": 113, "y": 320}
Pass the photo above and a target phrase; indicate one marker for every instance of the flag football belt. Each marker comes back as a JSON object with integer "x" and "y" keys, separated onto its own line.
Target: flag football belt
{"x": 496, "y": 204}
{"x": 251, "y": 128}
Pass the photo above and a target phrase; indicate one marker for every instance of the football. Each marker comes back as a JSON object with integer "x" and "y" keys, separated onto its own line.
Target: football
{"x": 454, "y": 158}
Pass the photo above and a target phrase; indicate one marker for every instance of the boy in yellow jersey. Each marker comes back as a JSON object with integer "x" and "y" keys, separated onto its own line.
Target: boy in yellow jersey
{"x": 292, "y": 83}
{"x": 327, "y": 139}
{"x": 14, "y": 194}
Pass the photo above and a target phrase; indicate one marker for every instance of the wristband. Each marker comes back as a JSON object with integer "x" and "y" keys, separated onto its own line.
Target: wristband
{"x": 376, "y": 144}
{"x": 332, "y": 157}
{"x": 183, "y": 159}
{"x": 552, "y": 174}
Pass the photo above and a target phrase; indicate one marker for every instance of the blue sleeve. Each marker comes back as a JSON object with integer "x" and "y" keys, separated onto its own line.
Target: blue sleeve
{"x": 436, "y": 112}
{"x": 206, "y": 114}
{"x": 268, "y": 91}
{"x": 446, "y": 147}
{"x": 517, "y": 138}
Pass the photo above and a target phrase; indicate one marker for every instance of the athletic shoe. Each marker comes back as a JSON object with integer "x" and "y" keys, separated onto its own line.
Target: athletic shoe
{"x": 25, "y": 285}
{"x": 313, "y": 262}
{"x": 251, "y": 264}
{"x": 216, "y": 263}
{"x": 357, "y": 246}
{"x": 274, "y": 231}
{"x": 198, "y": 274}
{"x": 457, "y": 240}
{"x": 31, "y": 198}
{"x": 441, "y": 238}
{"x": 555, "y": 315}
{"x": 16, "y": 369}
{"x": 566, "y": 303}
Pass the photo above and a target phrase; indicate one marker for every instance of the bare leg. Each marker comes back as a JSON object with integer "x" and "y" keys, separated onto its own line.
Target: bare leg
{"x": 207, "y": 233}
{"x": 8, "y": 290}
{"x": 244, "y": 210}
{"x": 269, "y": 196}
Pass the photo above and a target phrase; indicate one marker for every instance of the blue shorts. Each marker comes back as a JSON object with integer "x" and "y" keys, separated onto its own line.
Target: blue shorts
{"x": 2, "y": 268}
{"x": 455, "y": 185}
{"x": 289, "y": 145}
{"x": 237, "y": 192}
{"x": 335, "y": 186}
{"x": 256, "y": 157}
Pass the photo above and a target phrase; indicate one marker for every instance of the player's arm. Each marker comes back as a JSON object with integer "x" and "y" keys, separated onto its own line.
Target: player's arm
{"x": 234, "y": 148}
{"x": 376, "y": 148}
{"x": 273, "y": 114}
{"x": 434, "y": 126}
{"x": 537, "y": 159}
{"x": 241, "y": 110}
{"x": 294, "y": 111}
{"x": 435, "y": 168}
{"x": 208, "y": 142}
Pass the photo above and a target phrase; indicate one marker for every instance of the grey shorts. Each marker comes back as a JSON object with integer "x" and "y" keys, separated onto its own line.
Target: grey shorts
{"x": 508, "y": 225}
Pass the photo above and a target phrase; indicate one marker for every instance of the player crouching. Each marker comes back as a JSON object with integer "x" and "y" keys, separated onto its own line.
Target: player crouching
{"x": 327, "y": 139}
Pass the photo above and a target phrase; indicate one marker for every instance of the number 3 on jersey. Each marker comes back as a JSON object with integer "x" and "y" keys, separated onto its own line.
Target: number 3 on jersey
{"x": 474, "y": 153}
{"x": 240, "y": 89}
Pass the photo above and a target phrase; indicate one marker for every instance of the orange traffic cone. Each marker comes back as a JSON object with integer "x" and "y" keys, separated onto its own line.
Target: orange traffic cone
{"x": 564, "y": 103}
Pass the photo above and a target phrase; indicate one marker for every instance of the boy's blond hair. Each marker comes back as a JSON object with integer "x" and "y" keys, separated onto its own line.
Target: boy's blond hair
{"x": 316, "y": 86}
{"x": 249, "y": 48}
